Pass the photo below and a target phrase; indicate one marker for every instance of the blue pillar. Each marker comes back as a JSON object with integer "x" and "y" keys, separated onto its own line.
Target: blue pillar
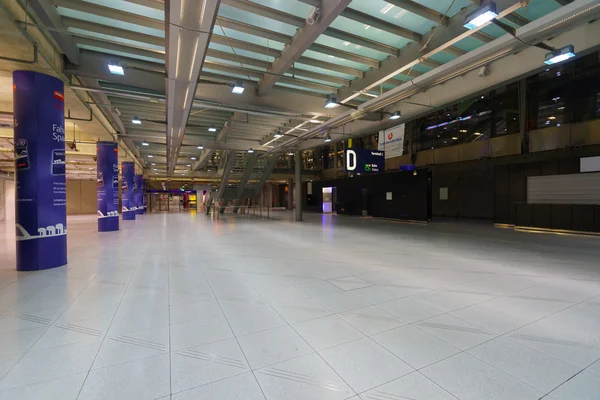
{"x": 41, "y": 191}
{"x": 139, "y": 194}
{"x": 144, "y": 206}
{"x": 107, "y": 165}
{"x": 127, "y": 192}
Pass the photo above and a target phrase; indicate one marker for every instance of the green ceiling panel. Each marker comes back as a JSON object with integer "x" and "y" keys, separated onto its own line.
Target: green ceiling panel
{"x": 351, "y": 47}
{"x": 239, "y": 76}
{"x": 324, "y": 71}
{"x": 110, "y": 22}
{"x": 132, "y": 8}
{"x": 335, "y": 60}
{"x": 239, "y": 52}
{"x": 468, "y": 44}
{"x": 394, "y": 15}
{"x": 296, "y": 8}
{"x": 232, "y": 34}
{"x": 234, "y": 64}
{"x": 443, "y": 57}
{"x": 369, "y": 32}
{"x": 256, "y": 20}
{"x": 123, "y": 54}
{"x": 442, "y": 5}
{"x": 117, "y": 39}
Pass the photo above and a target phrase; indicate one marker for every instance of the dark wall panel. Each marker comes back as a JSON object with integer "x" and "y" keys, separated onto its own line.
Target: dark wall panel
{"x": 410, "y": 197}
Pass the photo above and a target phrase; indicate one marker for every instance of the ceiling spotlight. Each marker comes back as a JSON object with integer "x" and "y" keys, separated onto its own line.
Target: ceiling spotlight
{"x": 395, "y": 115}
{"x": 454, "y": 138}
{"x": 277, "y": 135}
{"x": 481, "y": 16}
{"x": 251, "y": 150}
{"x": 290, "y": 153}
{"x": 560, "y": 55}
{"x": 331, "y": 103}
{"x": 200, "y": 147}
{"x": 156, "y": 169}
{"x": 238, "y": 87}
{"x": 145, "y": 143}
{"x": 477, "y": 134}
{"x": 212, "y": 129}
{"x": 327, "y": 138}
{"x": 315, "y": 121}
{"x": 188, "y": 165}
{"x": 193, "y": 158}
{"x": 115, "y": 69}
{"x": 136, "y": 120}
{"x": 150, "y": 156}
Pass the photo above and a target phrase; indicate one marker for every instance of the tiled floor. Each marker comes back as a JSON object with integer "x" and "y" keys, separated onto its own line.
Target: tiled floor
{"x": 182, "y": 307}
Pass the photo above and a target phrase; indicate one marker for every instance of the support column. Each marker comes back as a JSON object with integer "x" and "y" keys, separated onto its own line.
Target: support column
{"x": 128, "y": 202}
{"x": 290, "y": 195}
{"x": 523, "y": 115}
{"x": 298, "y": 178}
{"x": 107, "y": 167}
{"x": 40, "y": 183}
{"x": 138, "y": 190}
{"x": 269, "y": 195}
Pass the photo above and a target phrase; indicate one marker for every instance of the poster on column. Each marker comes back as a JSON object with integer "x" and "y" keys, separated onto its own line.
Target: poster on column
{"x": 107, "y": 174}
{"x": 392, "y": 141}
{"x": 127, "y": 191}
{"x": 139, "y": 194}
{"x": 40, "y": 207}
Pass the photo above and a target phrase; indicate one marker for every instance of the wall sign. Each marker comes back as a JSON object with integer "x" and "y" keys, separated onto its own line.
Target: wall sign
{"x": 364, "y": 161}
{"x": 392, "y": 141}
{"x": 108, "y": 186}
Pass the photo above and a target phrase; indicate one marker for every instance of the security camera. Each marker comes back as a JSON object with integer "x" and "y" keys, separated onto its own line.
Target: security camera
{"x": 314, "y": 15}
{"x": 484, "y": 71}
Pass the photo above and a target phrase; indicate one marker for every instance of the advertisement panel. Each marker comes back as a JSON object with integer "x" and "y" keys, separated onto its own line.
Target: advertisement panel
{"x": 127, "y": 190}
{"x": 40, "y": 164}
{"x": 107, "y": 167}
{"x": 364, "y": 161}
{"x": 139, "y": 194}
{"x": 392, "y": 141}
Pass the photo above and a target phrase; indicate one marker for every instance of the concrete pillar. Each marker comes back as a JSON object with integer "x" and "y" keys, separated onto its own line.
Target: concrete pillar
{"x": 298, "y": 178}
{"x": 290, "y": 195}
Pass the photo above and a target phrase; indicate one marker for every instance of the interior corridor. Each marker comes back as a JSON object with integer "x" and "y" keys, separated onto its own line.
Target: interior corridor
{"x": 181, "y": 307}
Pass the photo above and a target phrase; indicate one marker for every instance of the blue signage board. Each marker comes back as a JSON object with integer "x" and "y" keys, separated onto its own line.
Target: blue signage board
{"x": 107, "y": 166}
{"x": 127, "y": 191}
{"x": 364, "y": 161}
{"x": 41, "y": 190}
{"x": 139, "y": 194}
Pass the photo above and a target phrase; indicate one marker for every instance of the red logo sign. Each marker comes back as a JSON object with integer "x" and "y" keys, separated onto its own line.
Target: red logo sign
{"x": 59, "y": 95}
{"x": 390, "y": 136}
{"x": 14, "y": 87}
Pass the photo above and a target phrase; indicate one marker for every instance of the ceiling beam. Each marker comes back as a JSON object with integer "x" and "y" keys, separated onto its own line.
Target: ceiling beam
{"x": 440, "y": 41}
{"x": 419, "y": 9}
{"x": 375, "y": 22}
{"x": 188, "y": 28}
{"x": 50, "y": 18}
{"x": 112, "y": 31}
{"x": 207, "y": 152}
{"x": 112, "y": 13}
{"x": 303, "y": 39}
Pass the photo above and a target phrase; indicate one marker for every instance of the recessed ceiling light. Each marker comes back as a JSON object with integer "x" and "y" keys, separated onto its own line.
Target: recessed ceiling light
{"x": 395, "y": 115}
{"x": 193, "y": 158}
{"x": 150, "y": 156}
{"x": 200, "y": 147}
{"x": 136, "y": 120}
{"x": 331, "y": 103}
{"x": 189, "y": 165}
{"x": 367, "y": 27}
{"x": 477, "y": 134}
{"x": 116, "y": 69}
{"x": 315, "y": 121}
{"x": 212, "y": 129}
{"x": 145, "y": 144}
{"x": 250, "y": 150}
{"x": 238, "y": 88}
{"x": 387, "y": 8}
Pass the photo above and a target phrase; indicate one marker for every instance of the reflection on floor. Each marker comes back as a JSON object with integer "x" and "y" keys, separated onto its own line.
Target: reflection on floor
{"x": 184, "y": 307}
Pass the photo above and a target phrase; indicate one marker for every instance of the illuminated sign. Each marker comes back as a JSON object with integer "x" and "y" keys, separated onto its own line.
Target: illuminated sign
{"x": 364, "y": 161}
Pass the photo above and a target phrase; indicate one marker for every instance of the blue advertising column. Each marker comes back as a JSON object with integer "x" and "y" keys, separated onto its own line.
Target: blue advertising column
{"x": 41, "y": 191}
{"x": 139, "y": 194}
{"x": 127, "y": 191}
{"x": 107, "y": 166}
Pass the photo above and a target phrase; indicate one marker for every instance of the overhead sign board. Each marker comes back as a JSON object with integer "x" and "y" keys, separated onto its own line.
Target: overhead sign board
{"x": 364, "y": 161}
{"x": 391, "y": 141}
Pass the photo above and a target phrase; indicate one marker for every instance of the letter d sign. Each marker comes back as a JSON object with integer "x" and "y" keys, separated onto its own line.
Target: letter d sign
{"x": 350, "y": 160}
